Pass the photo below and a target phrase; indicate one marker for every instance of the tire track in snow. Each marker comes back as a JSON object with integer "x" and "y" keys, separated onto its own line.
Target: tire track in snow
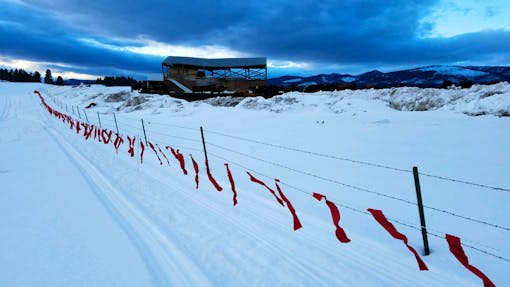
{"x": 168, "y": 265}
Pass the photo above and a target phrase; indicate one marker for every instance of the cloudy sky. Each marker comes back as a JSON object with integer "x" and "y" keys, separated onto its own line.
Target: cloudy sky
{"x": 86, "y": 39}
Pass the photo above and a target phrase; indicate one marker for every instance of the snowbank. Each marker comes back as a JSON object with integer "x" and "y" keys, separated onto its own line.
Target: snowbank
{"x": 475, "y": 101}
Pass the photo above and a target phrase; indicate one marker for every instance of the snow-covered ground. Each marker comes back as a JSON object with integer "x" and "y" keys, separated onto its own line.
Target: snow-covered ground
{"x": 75, "y": 213}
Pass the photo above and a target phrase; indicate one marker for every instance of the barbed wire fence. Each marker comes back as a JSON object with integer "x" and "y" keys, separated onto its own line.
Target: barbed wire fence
{"x": 123, "y": 124}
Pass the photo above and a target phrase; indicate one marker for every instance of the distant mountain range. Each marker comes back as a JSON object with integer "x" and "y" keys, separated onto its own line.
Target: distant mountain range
{"x": 424, "y": 77}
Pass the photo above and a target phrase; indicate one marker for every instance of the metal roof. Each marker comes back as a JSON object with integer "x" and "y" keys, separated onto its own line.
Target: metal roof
{"x": 216, "y": 63}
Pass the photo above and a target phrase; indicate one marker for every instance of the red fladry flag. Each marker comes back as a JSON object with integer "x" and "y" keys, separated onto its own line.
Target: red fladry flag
{"x": 179, "y": 157}
{"x": 297, "y": 223}
{"x": 232, "y": 184}
{"x": 71, "y": 122}
{"x": 88, "y": 129}
{"x": 379, "y": 217}
{"x": 195, "y": 167}
{"x": 131, "y": 149}
{"x": 106, "y": 136}
{"x": 118, "y": 141}
{"x": 154, "y": 150}
{"x": 458, "y": 252}
{"x": 164, "y": 155}
{"x": 253, "y": 179}
{"x": 335, "y": 215}
{"x": 78, "y": 127}
{"x": 211, "y": 178}
{"x": 142, "y": 149}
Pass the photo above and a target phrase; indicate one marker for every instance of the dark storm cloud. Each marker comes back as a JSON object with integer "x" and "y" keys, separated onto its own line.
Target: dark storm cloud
{"x": 44, "y": 38}
{"x": 162, "y": 20}
{"x": 368, "y": 33}
{"x": 363, "y": 32}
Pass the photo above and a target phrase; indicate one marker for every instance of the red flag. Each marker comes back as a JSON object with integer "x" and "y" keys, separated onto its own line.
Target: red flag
{"x": 154, "y": 150}
{"x": 195, "y": 167}
{"x": 118, "y": 141}
{"x": 131, "y": 149}
{"x": 211, "y": 178}
{"x": 179, "y": 157}
{"x": 253, "y": 179}
{"x": 142, "y": 149}
{"x": 87, "y": 130}
{"x": 78, "y": 127}
{"x": 164, "y": 155}
{"x": 232, "y": 184}
{"x": 379, "y": 217}
{"x": 335, "y": 215}
{"x": 458, "y": 252}
{"x": 297, "y": 223}
{"x": 70, "y": 121}
{"x": 106, "y": 136}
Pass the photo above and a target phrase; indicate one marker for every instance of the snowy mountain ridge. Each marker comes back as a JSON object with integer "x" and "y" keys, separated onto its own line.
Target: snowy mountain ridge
{"x": 425, "y": 77}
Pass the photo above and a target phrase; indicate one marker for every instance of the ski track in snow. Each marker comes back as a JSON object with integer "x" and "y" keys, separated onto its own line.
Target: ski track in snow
{"x": 171, "y": 266}
{"x": 168, "y": 264}
{"x": 319, "y": 276}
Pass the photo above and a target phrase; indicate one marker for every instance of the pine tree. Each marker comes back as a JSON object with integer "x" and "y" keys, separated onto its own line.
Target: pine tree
{"x": 60, "y": 81}
{"x": 48, "y": 79}
{"x": 37, "y": 77}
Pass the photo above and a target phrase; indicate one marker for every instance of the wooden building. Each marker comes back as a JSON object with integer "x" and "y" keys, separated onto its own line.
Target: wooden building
{"x": 215, "y": 75}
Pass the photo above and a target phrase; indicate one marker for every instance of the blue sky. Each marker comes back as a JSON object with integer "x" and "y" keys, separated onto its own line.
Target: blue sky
{"x": 86, "y": 39}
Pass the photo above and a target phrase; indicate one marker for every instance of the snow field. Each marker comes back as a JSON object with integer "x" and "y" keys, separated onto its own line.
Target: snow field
{"x": 253, "y": 243}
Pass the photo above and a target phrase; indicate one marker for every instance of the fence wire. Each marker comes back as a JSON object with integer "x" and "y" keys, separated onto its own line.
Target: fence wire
{"x": 360, "y": 162}
{"x": 363, "y": 189}
{"x": 348, "y": 207}
{"x": 358, "y": 210}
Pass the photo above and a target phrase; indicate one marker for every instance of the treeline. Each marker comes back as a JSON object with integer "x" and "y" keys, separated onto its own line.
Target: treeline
{"x": 19, "y": 75}
{"x": 117, "y": 81}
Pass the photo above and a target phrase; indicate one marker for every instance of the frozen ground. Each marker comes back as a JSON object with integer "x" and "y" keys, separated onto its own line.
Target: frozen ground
{"x": 74, "y": 213}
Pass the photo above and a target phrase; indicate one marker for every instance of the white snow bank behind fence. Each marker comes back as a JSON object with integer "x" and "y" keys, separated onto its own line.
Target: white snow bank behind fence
{"x": 475, "y": 101}
{"x": 478, "y": 100}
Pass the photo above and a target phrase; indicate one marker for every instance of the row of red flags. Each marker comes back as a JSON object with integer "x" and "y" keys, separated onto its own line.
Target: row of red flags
{"x": 107, "y": 136}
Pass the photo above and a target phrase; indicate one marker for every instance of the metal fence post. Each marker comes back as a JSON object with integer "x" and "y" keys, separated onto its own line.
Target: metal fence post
{"x": 116, "y": 126}
{"x": 99, "y": 118}
{"x": 144, "y": 134}
{"x": 420, "y": 210}
{"x": 87, "y": 118}
{"x": 203, "y": 143}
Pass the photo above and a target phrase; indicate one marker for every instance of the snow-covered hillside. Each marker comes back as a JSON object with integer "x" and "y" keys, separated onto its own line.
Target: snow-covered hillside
{"x": 454, "y": 70}
{"x": 76, "y": 213}
{"x": 424, "y": 77}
